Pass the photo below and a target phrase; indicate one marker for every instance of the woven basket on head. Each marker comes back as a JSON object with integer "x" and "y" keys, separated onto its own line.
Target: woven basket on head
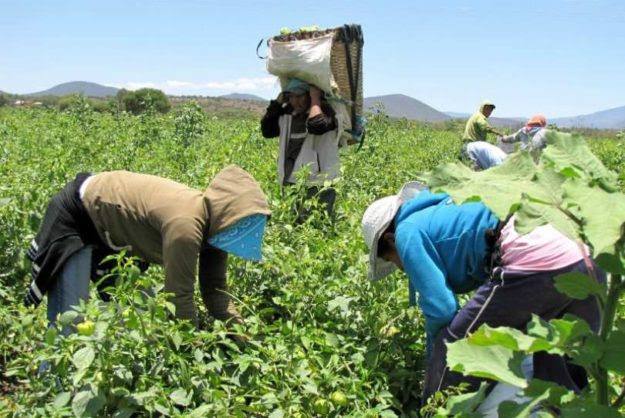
{"x": 339, "y": 63}
{"x": 340, "y": 70}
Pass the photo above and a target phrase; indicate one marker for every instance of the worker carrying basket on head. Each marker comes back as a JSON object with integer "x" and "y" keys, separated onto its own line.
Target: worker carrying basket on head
{"x": 319, "y": 108}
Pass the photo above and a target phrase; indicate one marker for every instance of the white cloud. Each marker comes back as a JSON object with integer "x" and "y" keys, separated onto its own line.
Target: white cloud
{"x": 134, "y": 85}
{"x": 178, "y": 86}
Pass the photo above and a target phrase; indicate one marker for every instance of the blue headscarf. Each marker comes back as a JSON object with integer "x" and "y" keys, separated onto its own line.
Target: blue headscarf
{"x": 297, "y": 86}
{"x": 243, "y": 239}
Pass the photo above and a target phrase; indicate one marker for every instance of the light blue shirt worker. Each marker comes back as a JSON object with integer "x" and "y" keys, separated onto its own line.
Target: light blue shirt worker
{"x": 442, "y": 247}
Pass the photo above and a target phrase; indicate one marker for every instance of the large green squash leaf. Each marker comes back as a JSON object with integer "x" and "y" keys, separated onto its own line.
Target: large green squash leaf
{"x": 545, "y": 205}
{"x": 569, "y": 189}
{"x": 570, "y": 155}
{"x": 499, "y": 188}
{"x": 603, "y": 214}
{"x": 612, "y": 259}
{"x": 532, "y": 215}
{"x": 492, "y": 362}
{"x": 578, "y": 285}
{"x": 510, "y": 338}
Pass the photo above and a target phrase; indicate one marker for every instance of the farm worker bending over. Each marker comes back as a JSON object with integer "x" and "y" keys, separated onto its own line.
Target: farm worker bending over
{"x": 307, "y": 128}
{"x": 475, "y": 146}
{"x": 531, "y": 136}
{"x": 446, "y": 249}
{"x": 484, "y": 155}
{"x": 160, "y": 221}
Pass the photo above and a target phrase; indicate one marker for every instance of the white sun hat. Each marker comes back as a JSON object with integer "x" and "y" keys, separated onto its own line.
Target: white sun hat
{"x": 376, "y": 220}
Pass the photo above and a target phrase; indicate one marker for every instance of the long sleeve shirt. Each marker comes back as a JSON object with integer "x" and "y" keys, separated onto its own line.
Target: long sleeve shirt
{"x": 531, "y": 138}
{"x": 165, "y": 222}
{"x": 317, "y": 125}
{"x": 477, "y": 128}
{"x": 301, "y": 127}
{"x": 442, "y": 247}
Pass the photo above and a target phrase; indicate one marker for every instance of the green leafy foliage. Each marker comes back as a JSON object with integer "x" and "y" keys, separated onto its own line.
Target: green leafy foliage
{"x": 317, "y": 328}
{"x": 144, "y": 100}
{"x": 614, "y": 354}
{"x": 190, "y": 123}
{"x": 569, "y": 189}
{"x": 463, "y": 405}
{"x": 578, "y": 286}
{"x": 571, "y": 156}
{"x": 491, "y": 362}
{"x": 77, "y": 103}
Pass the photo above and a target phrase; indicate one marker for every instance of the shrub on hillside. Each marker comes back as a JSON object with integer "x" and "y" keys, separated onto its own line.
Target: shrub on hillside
{"x": 49, "y": 101}
{"x": 73, "y": 102}
{"x": 143, "y": 101}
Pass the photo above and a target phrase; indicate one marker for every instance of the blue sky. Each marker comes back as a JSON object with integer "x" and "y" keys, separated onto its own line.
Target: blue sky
{"x": 561, "y": 57}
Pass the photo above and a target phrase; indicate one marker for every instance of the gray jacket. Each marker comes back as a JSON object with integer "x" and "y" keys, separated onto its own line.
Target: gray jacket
{"x": 531, "y": 139}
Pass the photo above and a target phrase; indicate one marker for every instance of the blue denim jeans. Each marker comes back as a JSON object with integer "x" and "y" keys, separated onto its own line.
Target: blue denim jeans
{"x": 71, "y": 287}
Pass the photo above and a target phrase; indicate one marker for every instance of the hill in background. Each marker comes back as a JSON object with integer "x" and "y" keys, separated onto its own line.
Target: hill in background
{"x": 224, "y": 106}
{"x": 74, "y": 87}
{"x": 243, "y": 96}
{"x": 606, "y": 119}
{"x": 458, "y": 115}
{"x": 395, "y": 105}
{"x": 402, "y": 106}
{"x": 513, "y": 123}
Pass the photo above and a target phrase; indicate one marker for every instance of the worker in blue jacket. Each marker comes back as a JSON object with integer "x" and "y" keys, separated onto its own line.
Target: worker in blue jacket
{"x": 425, "y": 229}
{"x": 448, "y": 249}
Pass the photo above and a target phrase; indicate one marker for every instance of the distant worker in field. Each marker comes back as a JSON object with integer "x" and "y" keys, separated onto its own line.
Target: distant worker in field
{"x": 531, "y": 136}
{"x": 448, "y": 249}
{"x": 308, "y": 131}
{"x": 476, "y": 147}
{"x": 156, "y": 219}
{"x": 477, "y": 127}
{"x": 481, "y": 153}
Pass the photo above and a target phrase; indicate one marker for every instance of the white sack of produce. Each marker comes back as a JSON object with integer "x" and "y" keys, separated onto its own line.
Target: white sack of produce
{"x": 306, "y": 59}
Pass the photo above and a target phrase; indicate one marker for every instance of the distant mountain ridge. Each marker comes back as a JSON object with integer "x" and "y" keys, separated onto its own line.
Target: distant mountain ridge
{"x": 395, "y": 105}
{"x": 605, "y": 119}
{"x": 402, "y": 106}
{"x": 243, "y": 96}
{"x": 74, "y": 87}
{"x": 458, "y": 115}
